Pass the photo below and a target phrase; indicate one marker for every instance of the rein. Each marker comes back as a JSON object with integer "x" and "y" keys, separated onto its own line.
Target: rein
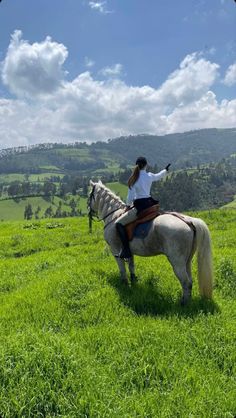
{"x": 110, "y": 213}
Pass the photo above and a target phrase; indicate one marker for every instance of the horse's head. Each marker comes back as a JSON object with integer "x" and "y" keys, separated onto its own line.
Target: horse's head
{"x": 102, "y": 202}
{"x": 92, "y": 203}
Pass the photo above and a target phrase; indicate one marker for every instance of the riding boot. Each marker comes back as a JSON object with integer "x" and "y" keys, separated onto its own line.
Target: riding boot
{"x": 125, "y": 252}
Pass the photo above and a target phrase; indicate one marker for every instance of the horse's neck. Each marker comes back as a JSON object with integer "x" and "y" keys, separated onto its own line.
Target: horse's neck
{"x": 109, "y": 204}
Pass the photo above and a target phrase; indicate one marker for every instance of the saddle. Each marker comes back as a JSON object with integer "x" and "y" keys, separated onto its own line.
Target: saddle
{"x": 144, "y": 216}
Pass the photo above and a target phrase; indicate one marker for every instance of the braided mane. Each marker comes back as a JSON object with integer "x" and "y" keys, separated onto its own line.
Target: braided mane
{"x": 107, "y": 200}
{"x": 109, "y": 196}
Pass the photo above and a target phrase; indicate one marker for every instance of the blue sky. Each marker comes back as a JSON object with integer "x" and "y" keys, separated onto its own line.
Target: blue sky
{"x": 92, "y": 70}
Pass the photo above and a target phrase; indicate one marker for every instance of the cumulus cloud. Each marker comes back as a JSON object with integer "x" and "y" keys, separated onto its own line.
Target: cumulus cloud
{"x": 230, "y": 76}
{"x": 189, "y": 82}
{"x": 90, "y": 109}
{"x": 204, "y": 113}
{"x": 32, "y": 70}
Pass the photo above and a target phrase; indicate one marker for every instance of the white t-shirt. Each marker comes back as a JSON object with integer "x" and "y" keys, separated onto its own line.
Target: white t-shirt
{"x": 141, "y": 188}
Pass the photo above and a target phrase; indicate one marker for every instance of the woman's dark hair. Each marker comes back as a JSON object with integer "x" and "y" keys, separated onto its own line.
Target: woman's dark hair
{"x": 141, "y": 162}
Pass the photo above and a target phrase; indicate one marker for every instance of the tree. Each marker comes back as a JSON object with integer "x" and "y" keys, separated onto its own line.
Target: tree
{"x": 14, "y": 189}
{"x": 85, "y": 189}
{"x": 28, "y": 213}
{"x": 58, "y": 213}
{"x": 73, "y": 207}
{"x": 36, "y": 213}
{"x": 48, "y": 212}
{"x": 49, "y": 189}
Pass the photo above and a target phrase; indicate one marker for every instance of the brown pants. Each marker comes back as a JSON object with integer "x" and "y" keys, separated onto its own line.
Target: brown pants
{"x": 127, "y": 217}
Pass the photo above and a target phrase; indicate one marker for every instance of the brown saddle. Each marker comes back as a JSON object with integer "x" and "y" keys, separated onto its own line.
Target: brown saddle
{"x": 144, "y": 216}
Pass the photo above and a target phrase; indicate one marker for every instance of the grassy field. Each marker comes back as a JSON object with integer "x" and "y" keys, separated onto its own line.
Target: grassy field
{"x": 231, "y": 205}
{"x": 75, "y": 343}
{"x": 9, "y": 178}
{"x": 119, "y": 189}
{"x": 11, "y": 210}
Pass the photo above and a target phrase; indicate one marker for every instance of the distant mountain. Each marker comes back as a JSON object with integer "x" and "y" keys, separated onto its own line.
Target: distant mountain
{"x": 183, "y": 150}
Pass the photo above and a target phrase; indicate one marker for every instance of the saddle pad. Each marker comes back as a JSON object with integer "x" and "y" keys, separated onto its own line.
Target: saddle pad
{"x": 140, "y": 227}
{"x": 142, "y": 230}
{"x": 146, "y": 215}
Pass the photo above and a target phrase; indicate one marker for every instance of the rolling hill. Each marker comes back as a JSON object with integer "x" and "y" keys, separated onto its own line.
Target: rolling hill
{"x": 199, "y": 177}
{"x": 183, "y": 150}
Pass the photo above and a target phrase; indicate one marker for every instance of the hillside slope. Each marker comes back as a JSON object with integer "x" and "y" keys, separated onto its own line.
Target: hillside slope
{"x": 183, "y": 150}
{"x": 75, "y": 343}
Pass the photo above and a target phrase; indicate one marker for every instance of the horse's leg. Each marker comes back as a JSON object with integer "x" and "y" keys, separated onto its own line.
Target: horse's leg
{"x": 189, "y": 271}
{"x": 180, "y": 270}
{"x": 132, "y": 270}
{"x": 186, "y": 284}
{"x": 121, "y": 265}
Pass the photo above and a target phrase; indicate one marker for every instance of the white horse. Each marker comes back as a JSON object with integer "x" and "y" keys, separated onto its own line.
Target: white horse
{"x": 167, "y": 235}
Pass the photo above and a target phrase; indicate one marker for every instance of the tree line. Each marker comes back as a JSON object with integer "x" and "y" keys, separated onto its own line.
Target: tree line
{"x": 50, "y": 212}
{"x": 206, "y": 187}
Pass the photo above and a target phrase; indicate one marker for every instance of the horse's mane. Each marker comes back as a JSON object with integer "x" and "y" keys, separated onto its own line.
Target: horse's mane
{"x": 103, "y": 191}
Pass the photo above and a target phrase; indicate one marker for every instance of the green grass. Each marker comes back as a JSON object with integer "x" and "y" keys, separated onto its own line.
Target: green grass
{"x": 75, "y": 343}
{"x": 44, "y": 176}
{"x": 119, "y": 189}
{"x": 34, "y": 178}
{"x": 231, "y": 205}
{"x": 9, "y": 178}
{"x": 12, "y": 210}
{"x": 50, "y": 167}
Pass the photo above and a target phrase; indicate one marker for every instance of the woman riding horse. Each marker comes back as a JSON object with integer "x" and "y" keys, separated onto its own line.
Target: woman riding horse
{"x": 139, "y": 184}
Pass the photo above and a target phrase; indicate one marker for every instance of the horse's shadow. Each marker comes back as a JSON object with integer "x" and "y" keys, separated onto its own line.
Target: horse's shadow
{"x": 144, "y": 299}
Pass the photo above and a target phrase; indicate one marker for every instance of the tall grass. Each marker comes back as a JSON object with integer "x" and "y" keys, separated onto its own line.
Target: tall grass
{"x": 75, "y": 343}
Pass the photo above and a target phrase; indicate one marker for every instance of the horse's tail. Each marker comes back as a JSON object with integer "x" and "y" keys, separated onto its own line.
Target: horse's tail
{"x": 204, "y": 258}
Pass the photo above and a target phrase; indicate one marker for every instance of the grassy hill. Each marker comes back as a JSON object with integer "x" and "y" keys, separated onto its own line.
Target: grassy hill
{"x": 12, "y": 210}
{"x": 231, "y": 205}
{"x": 184, "y": 150}
{"x": 119, "y": 189}
{"x": 40, "y": 177}
{"x": 75, "y": 343}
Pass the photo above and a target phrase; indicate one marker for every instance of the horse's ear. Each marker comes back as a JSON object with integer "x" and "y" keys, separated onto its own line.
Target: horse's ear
{"x": 91, "y": 183}
{"x": 100, "y": 182}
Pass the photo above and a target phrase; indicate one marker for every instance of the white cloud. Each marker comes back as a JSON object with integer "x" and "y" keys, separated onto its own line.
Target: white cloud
{"x": 188, "y": 83}
{"x": 204, "y": 113}
{"x": 230, "y": 76}
{"x": 91, "y": 109}
{"x": 112, "y": 71}
{"x": 100, "y": 6}
{"x": 32, "y": 70}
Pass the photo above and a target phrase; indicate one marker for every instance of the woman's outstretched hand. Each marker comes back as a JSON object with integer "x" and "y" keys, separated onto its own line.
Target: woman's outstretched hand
{"x": 167, "y": 167}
